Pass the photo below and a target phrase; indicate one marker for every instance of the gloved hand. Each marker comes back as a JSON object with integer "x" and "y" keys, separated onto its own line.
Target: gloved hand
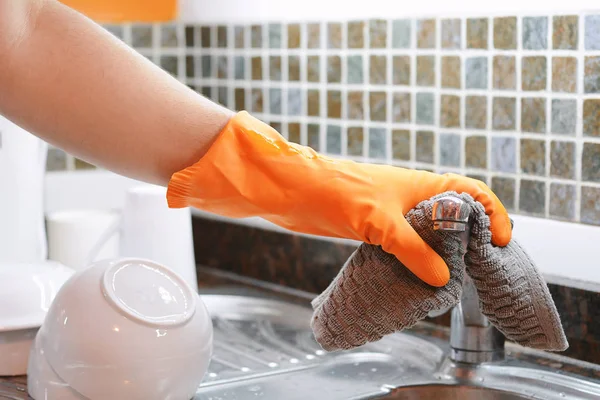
{"x": 251, "y": 170}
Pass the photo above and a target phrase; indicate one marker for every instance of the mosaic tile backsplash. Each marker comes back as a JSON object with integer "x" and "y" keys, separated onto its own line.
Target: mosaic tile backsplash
{"x": 513, "y": 101}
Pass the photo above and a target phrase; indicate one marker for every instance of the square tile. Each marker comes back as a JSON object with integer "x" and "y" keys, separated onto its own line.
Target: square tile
{"x": 401, "y": 70}
{"x": 334, "y": 69}
{"x": 206, "y": 91}
{"x": 313, "y": 102}
{"x": 312, "y": 136}
{"x": 294, "y": 132}
{"x": 377, "y": 106}
{"x": 82, "y": 165}
{"x": 189, "y": 33}
{"x": 451, "y": 33}
{"x": 334, "y": 104}
{"x": 401, "y": 37}
{"x": 275, "y": 68}
{"x": 450, "y": 111}
{"x": 478, "y": 177}
{"x": 592, "y": 32}
{"x": 425, "y": 145}
{"x": 334, "y": 35}
{"x": 294, "y": 105}
{"x": 564, "y": 74}
{"x": 565, "y": 32}
{"x": 533, "y": 73}
{"x": 505, "y": 189}
{"x": 239, "y": 95}
{"x": 591, "y": 80}
{"x": 168, "y": 36}
{"x": 355, "y": 69}
{"x": 426, "y": 70}
{"x": 205, "y": 37}
{"x": 355, "y": 105}
{"x": 239, "y": 64}
{"x": 591, "y": 117}
{"x": 222, "y": 93}
{"x": 377, "y": 143}
{"x": 449, "y": 149}
{"x": 355, "y": 141}
{"x": 504, "y": 154}
{"x": 294, "y": 74}
{"x": 294, "y": 36}
{"x": 425, "y": 108}
{"x": 313, "y": 66}
{"x": 275, "y": 101}
{"x": 117, "y": 31}
{"x": 562, "y": 159}
{"x": 401, "y": 109}
{"x": 532, "y": 197}
{"x": 256, "y": 66}
{"x": 562, "y": 201}
{"x": 221, "y": 36}
{"x": 356, "y": 34}
{"x": 590, "y": 162}
{"x": 190, "y": 67}
{"x": 505, "y": 33}
{"x": 533, "y": 114}
{"x": 535, "y": 33}
{"x": 56, "y": 160}
{"x": 378, "y": 70}
{"x": 476, "y": 112}
{"x": 426, "y": 34}
{"x": 277, "y": 126}
{"x": 477, "y": 33}
{"x": 401, "y": 144}
{"x": 256, "y": 36}
{"x": 170, "y": 64}
{"x": 206, "y": 66}
{"x": 378, "y": 34}
{"x": 505, "y": 76}
{"x": 590, "y": 205}
{"x": 476, "y": 73}
{"x": 313, "y": 36}
{"x": 564, "y": 116}
{"x": 334, "y": 139}
{"x": 451, "y": 72}
{"x": 239, "y": 37}
{"x": 504, "y": 113}
{"x": 256, "y": 104}
{"x": 533, "y": 157}
{"x": 222, "y": 65}
{"x": 476, "y": 152}
{"x": 141, "y": 35}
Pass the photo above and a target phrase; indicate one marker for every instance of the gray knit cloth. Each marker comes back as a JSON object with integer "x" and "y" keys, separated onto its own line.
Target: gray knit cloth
{"x": 375, "y": 295}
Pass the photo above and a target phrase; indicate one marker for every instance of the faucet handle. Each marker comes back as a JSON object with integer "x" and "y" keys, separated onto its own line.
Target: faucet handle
{"x": 450, "y": 213}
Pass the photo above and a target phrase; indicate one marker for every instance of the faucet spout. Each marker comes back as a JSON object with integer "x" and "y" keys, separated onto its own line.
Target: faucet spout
{"x": 473, "y": 338}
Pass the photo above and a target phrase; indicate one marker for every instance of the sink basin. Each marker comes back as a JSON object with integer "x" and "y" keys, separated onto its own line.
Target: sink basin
{"x": 451, "y": 392}
{"x": 264, "y": 348}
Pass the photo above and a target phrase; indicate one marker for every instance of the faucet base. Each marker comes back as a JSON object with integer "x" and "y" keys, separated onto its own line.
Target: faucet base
{"x": 476, "y": 357}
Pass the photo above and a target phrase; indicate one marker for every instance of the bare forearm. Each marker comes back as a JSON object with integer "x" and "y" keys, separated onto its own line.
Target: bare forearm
{"x": 71, "y": 83}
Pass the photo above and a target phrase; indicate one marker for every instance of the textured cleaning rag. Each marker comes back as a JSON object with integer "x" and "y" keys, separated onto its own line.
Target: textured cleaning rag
{"x": 375, "y": 295}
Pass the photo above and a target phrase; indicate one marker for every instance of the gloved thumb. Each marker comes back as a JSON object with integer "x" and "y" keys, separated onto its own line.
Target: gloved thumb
{"x": 412, "y": 251}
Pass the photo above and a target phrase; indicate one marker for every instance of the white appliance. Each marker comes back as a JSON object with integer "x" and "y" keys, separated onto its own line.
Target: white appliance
{"x": 22, "y": 169}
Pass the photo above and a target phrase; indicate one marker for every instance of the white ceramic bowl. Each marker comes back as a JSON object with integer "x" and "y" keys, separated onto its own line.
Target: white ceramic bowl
{"x": 26, "y": 292}
{"x": 128, "y": 329}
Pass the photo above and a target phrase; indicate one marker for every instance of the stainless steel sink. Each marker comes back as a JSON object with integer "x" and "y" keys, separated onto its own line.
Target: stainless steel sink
{"x": 264, "y": 349}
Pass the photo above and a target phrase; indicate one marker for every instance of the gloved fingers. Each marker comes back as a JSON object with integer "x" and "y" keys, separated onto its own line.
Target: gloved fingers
{"x": 500, "y": 225}
{"x": 412, "y": 251}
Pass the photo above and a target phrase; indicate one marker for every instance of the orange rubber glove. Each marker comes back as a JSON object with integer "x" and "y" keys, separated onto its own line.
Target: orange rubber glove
{"x": 251, "y": 170}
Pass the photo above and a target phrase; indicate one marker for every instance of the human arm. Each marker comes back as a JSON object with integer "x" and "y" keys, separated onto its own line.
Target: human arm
{"x": 70, "y": 82}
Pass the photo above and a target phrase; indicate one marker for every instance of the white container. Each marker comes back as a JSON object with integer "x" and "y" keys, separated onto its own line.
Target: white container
{"x": 73, "y": 234}
{"x": 26, "y": 292}
{"x": 22, "y": 170}
{"x": 126, "y": 329}
{"x": 150, "y": 229}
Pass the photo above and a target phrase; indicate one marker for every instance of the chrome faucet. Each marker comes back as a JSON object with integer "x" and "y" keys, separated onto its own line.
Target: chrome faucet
{"x": 473, "y": 338}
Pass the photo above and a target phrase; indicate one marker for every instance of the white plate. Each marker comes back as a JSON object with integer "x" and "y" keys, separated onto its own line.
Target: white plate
{"x": 26, "y": 292}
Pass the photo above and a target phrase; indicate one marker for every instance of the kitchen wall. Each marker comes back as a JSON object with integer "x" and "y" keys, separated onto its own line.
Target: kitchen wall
{"x": 513, "y": 100}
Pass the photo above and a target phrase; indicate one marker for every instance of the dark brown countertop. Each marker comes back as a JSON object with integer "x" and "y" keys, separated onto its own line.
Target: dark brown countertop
{"x": 217, "y": 281}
